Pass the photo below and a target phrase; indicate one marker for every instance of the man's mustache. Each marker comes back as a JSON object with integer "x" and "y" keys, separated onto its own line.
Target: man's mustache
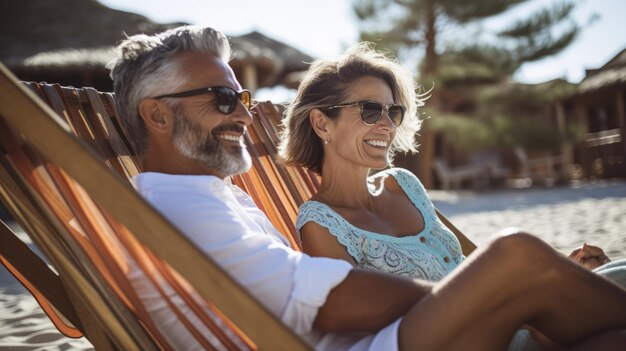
{"x": 230, "y": 128}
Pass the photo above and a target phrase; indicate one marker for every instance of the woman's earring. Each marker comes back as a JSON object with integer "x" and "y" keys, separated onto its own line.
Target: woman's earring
{"x": 326, "y": 142}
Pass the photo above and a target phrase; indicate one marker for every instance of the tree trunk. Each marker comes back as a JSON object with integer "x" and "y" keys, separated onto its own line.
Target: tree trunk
{"x": 425, "y": 157}
{"x": 423, "y": 161}
{"x": 430, "y": 59}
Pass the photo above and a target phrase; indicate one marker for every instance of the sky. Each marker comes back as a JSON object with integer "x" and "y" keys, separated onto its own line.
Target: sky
{"x": 323, "y": 28}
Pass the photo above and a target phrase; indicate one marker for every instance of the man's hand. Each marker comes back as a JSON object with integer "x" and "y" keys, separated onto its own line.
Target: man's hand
{"x": 589, "y": 256}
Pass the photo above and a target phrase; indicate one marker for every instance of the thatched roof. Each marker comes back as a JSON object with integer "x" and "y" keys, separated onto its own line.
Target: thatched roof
{"x": 612, "y": 73}
{"x": 293, "y": 60}
{"x": 256, "y": 47}
{"x": 37, "y": 26}
{"x": 70, "y": 42}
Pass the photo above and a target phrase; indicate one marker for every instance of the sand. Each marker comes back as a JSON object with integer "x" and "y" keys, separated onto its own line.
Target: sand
{"x": 565, "y": 217}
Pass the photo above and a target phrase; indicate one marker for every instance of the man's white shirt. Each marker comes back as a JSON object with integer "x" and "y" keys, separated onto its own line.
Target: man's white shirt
{"x": 223, "y": 221}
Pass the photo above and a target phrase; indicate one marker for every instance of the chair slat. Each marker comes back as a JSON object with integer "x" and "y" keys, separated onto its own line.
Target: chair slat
{"x": 43, "y": 283}
{"x": 51, "y": 139}
{"x": 87, "y": 242}
{"x": 104, "y": 127}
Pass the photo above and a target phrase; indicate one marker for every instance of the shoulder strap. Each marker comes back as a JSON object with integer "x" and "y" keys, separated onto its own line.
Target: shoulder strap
{"x": 337, "y": 226}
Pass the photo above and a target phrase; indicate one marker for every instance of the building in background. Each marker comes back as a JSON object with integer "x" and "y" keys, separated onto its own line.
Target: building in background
{"x": 599, "y": 107}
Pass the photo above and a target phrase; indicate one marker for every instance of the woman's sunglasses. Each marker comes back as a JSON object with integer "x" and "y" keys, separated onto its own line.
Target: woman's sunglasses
{"x": 226, "y": 98}
{"x": 372, "y": 111}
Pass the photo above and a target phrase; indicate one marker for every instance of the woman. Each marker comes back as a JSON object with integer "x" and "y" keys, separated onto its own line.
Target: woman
{"x": 350, "y": 116}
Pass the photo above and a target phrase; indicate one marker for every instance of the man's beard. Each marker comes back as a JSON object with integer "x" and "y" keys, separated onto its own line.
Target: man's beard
{"x": 193, "y": 142}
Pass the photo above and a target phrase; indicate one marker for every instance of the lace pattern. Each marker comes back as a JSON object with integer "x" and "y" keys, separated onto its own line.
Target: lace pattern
{"x": 430, "y": 254}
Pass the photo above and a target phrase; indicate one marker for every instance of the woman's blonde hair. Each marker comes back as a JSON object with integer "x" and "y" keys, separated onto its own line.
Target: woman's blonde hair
{"x": 327, "y": 83}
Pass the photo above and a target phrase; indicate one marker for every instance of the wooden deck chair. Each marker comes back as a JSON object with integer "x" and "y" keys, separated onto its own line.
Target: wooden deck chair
{"x": 91, "y": 116}
{"x": 93, "y": 227}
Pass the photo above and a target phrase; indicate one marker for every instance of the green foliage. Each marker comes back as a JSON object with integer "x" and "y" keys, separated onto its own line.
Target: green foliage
{"x": 535, "y": 35}
{"x": 393, "y": 24}
{"x": 532, "y": 133}
{"x": 464, "y": 11}
{"x": 503, "y": 132}
{"x": 465, "y": 133}
{"x": 476, "y": 64}
{"x": 545, "y": 45}
{"x": 538, "y": 22}
{"x": 521, "y": 100}
{"x": 452, "y": 72}
{"x": 474, "y": 75}
{"x": 508, "y": 115}
{"x": 406, "y": 24}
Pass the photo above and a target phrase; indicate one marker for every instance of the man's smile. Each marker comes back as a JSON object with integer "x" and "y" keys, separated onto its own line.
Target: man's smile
{"x": 230, "y": 137}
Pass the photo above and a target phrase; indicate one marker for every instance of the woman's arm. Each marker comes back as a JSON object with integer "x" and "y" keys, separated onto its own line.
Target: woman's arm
{"x": 317, "y": 241}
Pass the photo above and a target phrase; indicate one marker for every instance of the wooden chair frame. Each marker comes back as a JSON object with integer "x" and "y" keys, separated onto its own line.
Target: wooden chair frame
{"x": 107, "y": 327}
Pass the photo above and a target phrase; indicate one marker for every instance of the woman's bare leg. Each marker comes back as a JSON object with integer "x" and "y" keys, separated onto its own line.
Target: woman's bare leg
{"x": 517, "y": 279}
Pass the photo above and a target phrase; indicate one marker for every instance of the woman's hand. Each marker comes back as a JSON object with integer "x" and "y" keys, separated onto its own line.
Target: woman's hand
{"x": 546, "y": 343}
{"x": 589, "y": 256}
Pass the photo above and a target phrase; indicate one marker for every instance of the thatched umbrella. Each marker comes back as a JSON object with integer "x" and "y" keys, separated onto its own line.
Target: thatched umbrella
{"x": 66, "y": 41}
{"x": 70, "y": 42}
{"x": 292, "y": 62}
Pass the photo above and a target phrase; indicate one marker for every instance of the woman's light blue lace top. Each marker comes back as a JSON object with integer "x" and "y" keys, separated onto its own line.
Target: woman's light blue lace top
{"x": 430, "y": 254}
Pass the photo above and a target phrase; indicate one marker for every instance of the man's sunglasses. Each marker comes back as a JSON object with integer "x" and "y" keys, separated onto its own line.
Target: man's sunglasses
{"x": 225, "y": 98}
{"x": 371, "y": 111}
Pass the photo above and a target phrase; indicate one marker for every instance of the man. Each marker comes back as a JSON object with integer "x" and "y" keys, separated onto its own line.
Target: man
{"x": 186, "y": 114}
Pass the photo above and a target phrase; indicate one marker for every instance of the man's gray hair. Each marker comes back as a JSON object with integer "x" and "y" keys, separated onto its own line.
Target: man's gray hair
{"x": 146, "y": 66}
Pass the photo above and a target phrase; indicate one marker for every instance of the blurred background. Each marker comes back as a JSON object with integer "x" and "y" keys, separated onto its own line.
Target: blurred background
{"x": 525, "y": 124}
{"x": 522, "y": 92}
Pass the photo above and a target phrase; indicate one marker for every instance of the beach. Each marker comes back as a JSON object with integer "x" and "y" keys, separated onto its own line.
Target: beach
{"x": 566, "y": 217}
